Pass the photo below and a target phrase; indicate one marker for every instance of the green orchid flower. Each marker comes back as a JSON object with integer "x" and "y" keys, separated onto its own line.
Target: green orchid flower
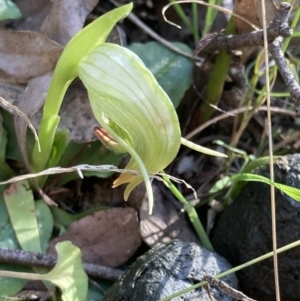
{"x": 136, "y": 114}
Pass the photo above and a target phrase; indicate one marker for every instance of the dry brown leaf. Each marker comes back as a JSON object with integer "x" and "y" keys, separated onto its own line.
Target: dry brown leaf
{"x": 35, "y": 93}
{"x": 108, "y": 237}
{"x": 246, "y": 9}
{"x": 12, "y": 93}
{"x": 251, "y": 10}
{"x": 33, "y": 14}
{"x": 26, "y": 55}
{"x": 166, "y": 223}
{"x": 271, "y": 10}
{"x": 76, "y": 115}
{"x": 33, "y": 98}
{"x": 66, "y": 18}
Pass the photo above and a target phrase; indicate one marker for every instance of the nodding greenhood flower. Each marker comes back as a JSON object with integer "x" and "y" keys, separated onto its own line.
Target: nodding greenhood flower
{"x": 135, "y": 114}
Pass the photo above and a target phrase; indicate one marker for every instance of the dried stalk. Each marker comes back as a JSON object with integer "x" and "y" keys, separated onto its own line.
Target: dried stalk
{"x": 42, "y": 260}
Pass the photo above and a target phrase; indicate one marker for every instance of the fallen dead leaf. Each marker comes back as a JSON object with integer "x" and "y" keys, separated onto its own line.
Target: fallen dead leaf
{"x": 12, "y": 93}
{"x": 66, "y": 18}
{"x": 33, "y": 98}
{"x": 247, "y": 10}
{"x": 166, "y": 223}
{"x": 33, "y": 14}
{"x": 271, "y": 10}
{"x": 76, "y": 115}
{"x": 251, "y": 10}
{"x": 26, "y": 55}
{"x": 108, "y": 237}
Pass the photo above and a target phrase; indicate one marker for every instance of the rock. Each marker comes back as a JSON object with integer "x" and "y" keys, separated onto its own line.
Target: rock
{"x": 244, "y": 233}
{"x": 167, "y": 269}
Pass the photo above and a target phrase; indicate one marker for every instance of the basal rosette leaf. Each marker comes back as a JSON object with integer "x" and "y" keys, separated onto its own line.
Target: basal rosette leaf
{"x": 132, "y": 107}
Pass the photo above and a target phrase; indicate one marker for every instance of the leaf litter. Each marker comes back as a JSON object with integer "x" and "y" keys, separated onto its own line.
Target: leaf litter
{"x": 107, "y": 237}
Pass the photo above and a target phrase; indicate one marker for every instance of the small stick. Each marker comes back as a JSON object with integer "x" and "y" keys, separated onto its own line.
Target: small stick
{"x": 8, "y": 105}
{"x": 37, "y": 259}
{"x": 225, "y": 288}
{"x": 134, "y": 19}
{"x": 278, "y": 27}
{"x": 287, "y": 75}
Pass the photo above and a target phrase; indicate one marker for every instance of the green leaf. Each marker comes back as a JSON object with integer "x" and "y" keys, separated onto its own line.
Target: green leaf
{"x": 31, "y": 221}
{"x": 47, "y": 130}
{"x": 8, "y": 240}
{"x": 214, "y": 87}
{"x": 13, "y": 152}
{"x": 7, "y": 234}
{"x": 290, "y": 191}
{"x": 9, "y": 10}
{"x": 20, "y": 205}
{"x": 131, "y": 106}
{"x": 201, "y": 149}
{"x": 45, "y": 223}
{"x": 220, "y": 184}
{"x": 11, "y": 286}
{"x": 172, "y": 71}
{"x": 62, "y": 219}
{"x": 5, "y": 170}
{"x": 68, "y": 273}
{"x": 60, "y": 143}
{"x": 210, "y": 16}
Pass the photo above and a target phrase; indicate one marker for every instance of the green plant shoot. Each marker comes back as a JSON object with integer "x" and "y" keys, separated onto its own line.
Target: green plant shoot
{"x": 135, "y": 112}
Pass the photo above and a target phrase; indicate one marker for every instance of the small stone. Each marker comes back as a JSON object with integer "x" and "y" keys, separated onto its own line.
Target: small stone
{"x": 244, "y": 233}
{"x": 167, "y": 269}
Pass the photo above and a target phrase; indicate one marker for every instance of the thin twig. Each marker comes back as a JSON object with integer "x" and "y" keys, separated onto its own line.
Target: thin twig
{"x": 42, "y": 260}
{"x": 287, "y": 75}
{"x": 85, "y": 167}
{"x": 8, "y": 105}
{"x": 59, "y": 170}
{"x": 235, "y": 294}
{"x": 274, "y": 110}
{"x": 134, "y": 19}
{"x": 289, "y": 139}
{"x": 278, "y": 27}
{"x": 217, "y": 7}
{"x": 270, "y": 138}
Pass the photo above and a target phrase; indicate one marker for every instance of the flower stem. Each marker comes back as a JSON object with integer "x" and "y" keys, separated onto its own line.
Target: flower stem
{"x": 192, "y": 213}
